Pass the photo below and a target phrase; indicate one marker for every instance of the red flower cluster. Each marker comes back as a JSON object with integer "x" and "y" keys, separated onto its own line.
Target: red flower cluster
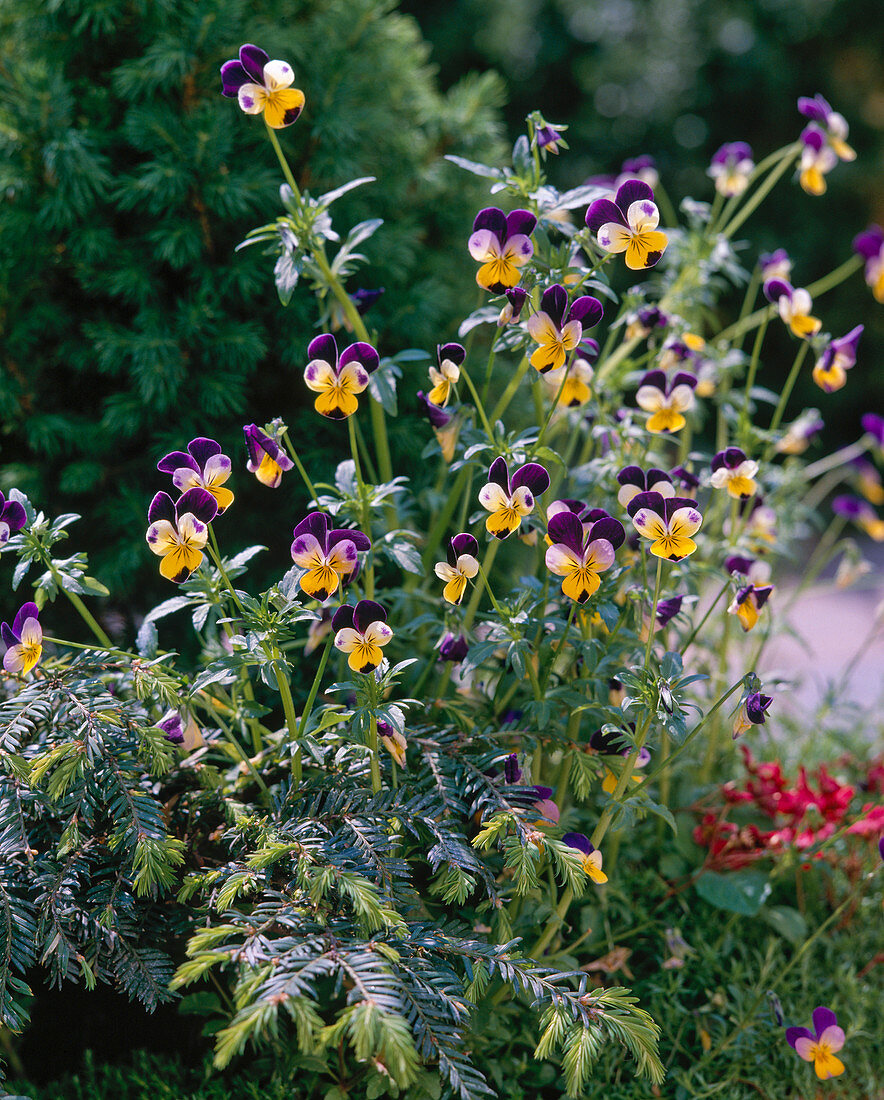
{"x": 804, "y": 814}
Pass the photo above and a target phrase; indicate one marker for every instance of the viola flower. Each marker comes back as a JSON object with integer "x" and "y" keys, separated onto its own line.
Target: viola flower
{"x": 512, "y": 311}
{"x": 263, "y": 85}
{"x": 830, "y": 370}
{"x": 818, "y": 158}
{"x": 449, "y": 357}
{"x": 577, "y": 376}
{"x": 752, "y": 596}
{"x": 666, "y": 400}
{"x": 363, "y": 300}
{"x": 819, "y": 111}
{"x": 731, "y": 168}
{"x": 509, "y": 500}
{"x": 179, "y": 530}
{"x": 732, "y": 470}
{"x": 578, "y": 555}
{"x": 643, "y": 322}
{"x": 267, "y": 460}
{"x": 460, "y": 567}
{"x": 800, "y": 433}
{"x": 362, "y": 631}
{"x": 446, "y": 426}
{"x": 868, "y": 480}
{"x": 592, "y": 857}
{"x": 751, "y": 712}
{"x": 667, "y": 609}
{"x": 870, "y": 245}
{"x": 794, "y": 306}
{"x": 668, "y": 521}
{"x": 181, "y": 729}
{"x": 328, "y": 556}
{"x": 820, "y": 1045}
{"x": 874, "y": 426}
{"x": 453, "y": 648}
{"x": 23, "y": 640}
{"x": 203, "y": 467}
{"x": 862, "y": 514}
{"x": 545, "y": 806}
{"x": 775, "y": 265}
{"x": 558, "y": 328}
{"x": 549, "y": 138}
{"x": 502, "y": 245}
{"x": 688, "y": 481}
{"x": 393, "y": 741}
{"x": 642, "y": 167}
{"x": 633, "y": 480}
{"x": 680, "y": 351}
{"x": 338, "y": 380}
{"x": 12, "y": 518}
{"x": 629, "y": 224}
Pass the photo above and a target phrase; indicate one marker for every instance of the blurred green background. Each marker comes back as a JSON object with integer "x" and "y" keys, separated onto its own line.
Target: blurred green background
{"x": 127, "y": 321}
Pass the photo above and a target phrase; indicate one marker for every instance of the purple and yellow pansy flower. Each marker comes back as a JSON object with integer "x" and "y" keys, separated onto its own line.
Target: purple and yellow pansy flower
{"x": 179, "y": 530}
{"x": 592, "y": 857}
{"x": 754, "y": 594}
{"x": 820, "y": 1045}
{"x": 548, "y": 137}
{"x": 12, "y": 518}
{"x": 461, "y": 566}
{"x": 512, "y": 311}
{"x": 794, "y": 306}
{"x": 260, "y": 84}
{"x": 267, "y": 460}
{"x": 752, "y": 711}
{"x": 643, "y": 167}
{"x": 558, "y": 328}
{"x": 446, "y": 426}
{"x": 362, "y": 632}
{"x": 202, "y": 467}
{"x": 830, "y": 370}
{"x": 732, "y": 470}
{"x": 731, "y": 167}
{"x": 834, "y": 125}
{"x": 181, "y": 729}
{"x": 818, "y": 158}
{"x": 800, "y": 433}
{"x": 509, "y": 500}
{"x": 643, "y": 322}
{"x": 868, "y": 480}
{"x": 577, "y": 375}
{"x": 23, "y": 640}
{"x": 870, "y": 245}
{"x": 449, "y": 357}
{"x": 338, "y": 380}
{"x": 328, "y": 555}
{"x": 667, "y": 609}
{"x": 775, "y": 265}
{"x": 453, "y": 648}
{"x": 578, "y": 555}
{"x": 862, "y": 514}
{"x": 666, "y": 399}
{"x": 629, "y": 225}
{"x": 634, "y": 480}
{"x": 501, "y": 243}
{"x": 393, "y": 741}
{"x": 668, "y": 521}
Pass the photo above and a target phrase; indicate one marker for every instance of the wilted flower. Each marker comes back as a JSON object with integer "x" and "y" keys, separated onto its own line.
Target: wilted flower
{"x": 732, "y": 470}
{"x": 775, "y": 265}
{"x": 830, "y": 370}
{"x": 629, "y": 224}
{"x": 577, "y": 375}
{"x": 557, "y": 328}
{"x": 800, "y": 433}
{"x": 203, "y": 467}
{"x": 449, "y": 357}
{"x": 820, "y": 1045}
{"x": 515, "y": 300}
{"x": 794, "y": 306}
{"x": 633, "y": 480}
{"x": 870, "y": 245}
{"x": 338, "y": 380}
{"x": 393, "y": 741}
{"x": 453, "y": 648}
{"x": 862, "y": 514}
{"x": 502, "y": 245}
{"x": 751, "y": 712}
{"x": 12, "y": 518}
{"x": 362, "y": 631}
{"x": 592, "y": 857}
{"x": 678, "y": 947}
{"x": 668, "y": 521}
{"x": 460, "y": 567}
{"x": 446, "y": 426}
{"x": 818, "y": 158}
{"x": 23, "y": 640}
{"x": 509, "y": 500}
{"x": 579, "y": 555}
{"x": 267, "y": 460}
{"x": 731, "y": 167}
{"x": 328, "y": 556}
{"x": 181, "y": 729}
{"x": 548, "y": 137}
{"x": 820, "y": 112}
{"x": 179, "y": 530}
{"x": 666, "y": 400}
{"x": 263, "y": 85}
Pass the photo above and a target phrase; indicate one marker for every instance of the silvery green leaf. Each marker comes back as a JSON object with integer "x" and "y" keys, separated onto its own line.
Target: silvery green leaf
{"x": 476, "y": 168}
{"x": 331, "y": 196}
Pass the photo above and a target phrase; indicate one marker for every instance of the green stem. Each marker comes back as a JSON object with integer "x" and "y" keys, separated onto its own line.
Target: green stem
{"x": 702, "y": 622}
{"x": 488, "y": 369}
{"x": 472, "y": 607}
{"x": 308, "y": 707}
{"x": 561, "y": 647}
{"x": 558, "y": 919}
{"x": 749, "y": 207}
{"x": 283, "y": 162}
{"x": 291, "y": 721}
{"x": 650, "y": 642}
{"x": 366, "y": 509}
{"x": 480, "y": 408}
{"x": 235, "y": 745}
{"x": 293, "y": 454}
{"x": 215, "y": 555}
{"x": 838, "y": 458}
{"x": 785, "y": 395}
{"x": 750, "y": 379}
{"x": 84, "y": 611}
{"x": 122, "y": 654}
{"x": 373, "y": 750}
{"x": 440, "y": 524}
{"x": 510, "y": 391}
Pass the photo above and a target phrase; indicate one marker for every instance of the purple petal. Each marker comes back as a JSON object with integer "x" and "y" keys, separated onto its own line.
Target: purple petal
{"x": 813, "y": 137}
{"x": 683, "y": 378}
{"x": 324, "y": 347}
{"x": 823, "y": 1018}
{"x": 632, "y": 191}
{"x": 13, "y": 515}
{"x": 611, "y": 530}
{"x": 316, "y": 524}
{"x": 26, "y": 611}
{"x": 653, "y": 501}
{"x": 161, "y": 507}
{"x": 793, "y": 1034}
{"x": 233, "y": 76}
{"x": 554, "y": 303}
{"x": 9, "y": 639}
{"x": 361, "y": 353}
{"x": 870, "y": 242}
{"x": 199, "y": 503}
{"x": 655, "y": 378}
{"x": 499, "y": 473}
{"x": 343, "y": 617}
{"x": 492, "y": 219}
{"x": 359, "y": 540}
{"x": 735, "y": 563}
{"x": 588, "y": 311}
{"x": 632, "y": 475}
{"x": 464, "y": 543}
{"x": 253, "y": 60}
{"x": 437, "y": 416}
{"x": 520, "y": 221}
{"x": 566, "y": 528}
{"x": 367, "y": 612}
{"x": 774, "y": 289}
{"x": 456, "y": 353}
{"x": 174, "y": 460}
{"x": 851, "y": 507}
{"x": 533, "y": 476}
{"x": 202, "y": 449}
{"x": 603, "y": 211}
{"x": 672, "y": 505}
{"x": 655, "y": 476}
{"x": 578, "y": 841}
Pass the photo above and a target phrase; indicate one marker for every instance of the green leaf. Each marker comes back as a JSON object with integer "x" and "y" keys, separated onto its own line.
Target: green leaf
{"x": 790, "y": 924}
{"x": 742, "y": 892}
{"x": 476, "y": 168}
